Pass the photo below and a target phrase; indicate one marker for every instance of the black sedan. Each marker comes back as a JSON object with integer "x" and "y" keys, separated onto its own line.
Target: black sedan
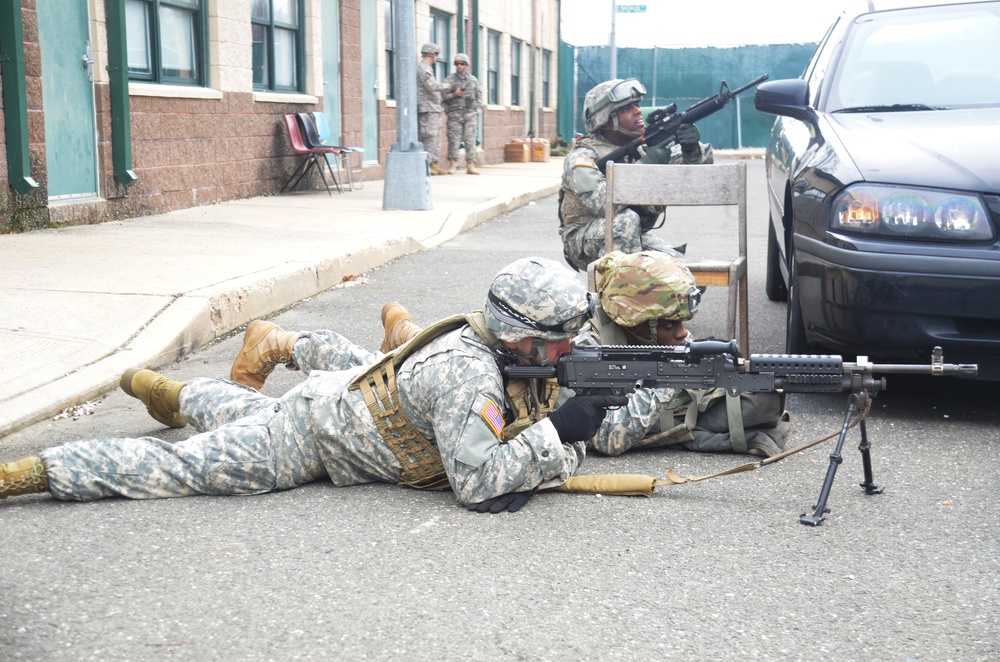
{"x": 883, "y": 172}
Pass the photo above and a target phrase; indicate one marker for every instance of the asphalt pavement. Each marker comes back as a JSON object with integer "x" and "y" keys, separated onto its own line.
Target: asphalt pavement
{"x": 83, "y": 304}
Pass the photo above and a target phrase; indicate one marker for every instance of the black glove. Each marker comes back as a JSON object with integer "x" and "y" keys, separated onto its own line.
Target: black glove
{"x": 580, "y": 417}
{"x": 510, "y": 503}
{"x": 689, "y": 137}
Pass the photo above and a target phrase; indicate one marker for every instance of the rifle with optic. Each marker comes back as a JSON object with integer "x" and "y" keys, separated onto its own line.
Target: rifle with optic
{"x": 662, "y": 123}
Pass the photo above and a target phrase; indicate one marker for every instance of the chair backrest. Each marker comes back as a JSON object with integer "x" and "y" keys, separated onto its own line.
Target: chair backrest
{"x": 322, "y": 126}
{"x": 294, "y": 135}
{"x": 309, "y": 131}
{"x": 678, "y": 186}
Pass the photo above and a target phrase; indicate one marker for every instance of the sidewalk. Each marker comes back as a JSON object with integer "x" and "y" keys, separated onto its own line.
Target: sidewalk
{"x": 80, "y": 305}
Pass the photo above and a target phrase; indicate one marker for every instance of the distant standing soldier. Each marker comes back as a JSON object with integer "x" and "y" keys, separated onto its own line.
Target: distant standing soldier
{"x": 429, "y": 109}
{"x": 462, "y": 103}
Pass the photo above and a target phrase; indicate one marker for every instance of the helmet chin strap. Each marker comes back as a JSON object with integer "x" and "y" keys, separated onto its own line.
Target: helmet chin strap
{"x": 617, "y": 127}
{"x": 649, "y": 340}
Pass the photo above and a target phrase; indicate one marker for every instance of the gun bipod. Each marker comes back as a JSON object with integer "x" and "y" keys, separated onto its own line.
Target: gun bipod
{"x": 858, "y": 404}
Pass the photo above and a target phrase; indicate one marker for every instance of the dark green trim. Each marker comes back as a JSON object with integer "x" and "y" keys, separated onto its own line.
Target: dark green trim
{"x": 121, "y": 127}
{"x": 15, "y": 97}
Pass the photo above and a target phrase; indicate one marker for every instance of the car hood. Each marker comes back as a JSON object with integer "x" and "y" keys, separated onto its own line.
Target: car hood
{"x": 943, "y": 148}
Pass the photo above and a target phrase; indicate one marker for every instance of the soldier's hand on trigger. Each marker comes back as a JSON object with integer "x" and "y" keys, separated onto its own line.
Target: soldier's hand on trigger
{"x": 689, "y": 137}
{"x": 580, "y": 417}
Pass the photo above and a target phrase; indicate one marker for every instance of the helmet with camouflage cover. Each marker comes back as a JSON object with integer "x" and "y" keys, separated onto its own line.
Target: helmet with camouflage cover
{"x": 640, "y": 287}
{"x": 430, "y": 48}
{"x": 536, "y": 298}
{"x": 461, "y": 58}
{"x": 605, "y": 98}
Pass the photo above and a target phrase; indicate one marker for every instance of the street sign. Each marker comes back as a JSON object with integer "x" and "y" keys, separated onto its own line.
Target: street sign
{"x": 631, "y": 9}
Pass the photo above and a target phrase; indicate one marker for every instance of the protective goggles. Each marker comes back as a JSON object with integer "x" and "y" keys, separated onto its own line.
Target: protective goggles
{"x": 508, "y": 315}
{"x": 628, "y": 90}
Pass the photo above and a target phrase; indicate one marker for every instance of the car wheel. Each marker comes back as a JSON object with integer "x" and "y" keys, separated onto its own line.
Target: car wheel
{"x": 795, "y": 328}
{"x": 774, "y": 287}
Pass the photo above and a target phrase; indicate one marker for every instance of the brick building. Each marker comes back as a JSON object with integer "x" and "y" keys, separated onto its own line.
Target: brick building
{"x": 119, "y": 108}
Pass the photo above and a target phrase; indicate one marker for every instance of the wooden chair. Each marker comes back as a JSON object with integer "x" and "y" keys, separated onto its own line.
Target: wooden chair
{"x": 310, "y": 157}
{"x": 692, "y": 185}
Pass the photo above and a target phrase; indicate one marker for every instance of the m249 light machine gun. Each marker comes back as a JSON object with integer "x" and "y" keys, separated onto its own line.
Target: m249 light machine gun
{"x": 663, "y": 122}
{"x": 703, "y": 364}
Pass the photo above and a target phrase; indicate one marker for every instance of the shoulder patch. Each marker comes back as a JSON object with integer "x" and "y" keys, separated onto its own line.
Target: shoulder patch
{"x": 583, "y": 161}
{"x": 493, "y": 417}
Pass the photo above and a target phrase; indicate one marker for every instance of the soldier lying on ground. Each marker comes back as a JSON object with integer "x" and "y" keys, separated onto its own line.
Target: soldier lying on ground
{"x": 643, "y": 298}
{"x": 429, "y": 417}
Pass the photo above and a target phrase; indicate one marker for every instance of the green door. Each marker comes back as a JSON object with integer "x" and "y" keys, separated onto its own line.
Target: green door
{"x": 331, "y": 70}
{"x": 68, "y": 99}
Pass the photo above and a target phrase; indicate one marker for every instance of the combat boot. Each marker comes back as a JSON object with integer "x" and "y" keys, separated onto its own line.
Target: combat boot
{"x": 471, "y": 168}
{"x": 398, "y": 325}
{"x": 452, "y": 166}
{"x": 265, "y": 345}
{"x": 160, "y": 395}
{"x": 26, "y": 476}
{"x": 435, "y": 170}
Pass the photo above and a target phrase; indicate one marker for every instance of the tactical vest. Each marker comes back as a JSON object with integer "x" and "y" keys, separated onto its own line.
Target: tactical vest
{"x": 419, "y": 459}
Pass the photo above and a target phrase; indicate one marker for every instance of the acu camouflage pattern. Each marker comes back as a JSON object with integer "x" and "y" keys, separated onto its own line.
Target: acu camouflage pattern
{"x": 542, "y": 291}
{"x": 640, "y": 287}
{"x": 463, "y": 114}
{"x": 581, "y": 203}
{"x": 429, "y": 110}
{"x": 248, "y": 443}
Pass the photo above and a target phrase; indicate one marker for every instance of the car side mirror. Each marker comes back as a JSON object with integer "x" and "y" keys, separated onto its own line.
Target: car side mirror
{"x": 788, "y": 97}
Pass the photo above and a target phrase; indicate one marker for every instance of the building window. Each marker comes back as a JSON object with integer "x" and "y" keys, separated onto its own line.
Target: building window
{"x": 278, "y": 45}
{"x": 441, "y": 35}
{"x": 493, "y": 67}
{"x": 515, "y": 72}
{"x": 390, "y": 51}
{"x": 546, "y": 77}
{"x": 166, "y": 41}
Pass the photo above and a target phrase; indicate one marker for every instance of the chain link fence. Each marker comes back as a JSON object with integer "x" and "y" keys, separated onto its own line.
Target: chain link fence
{"x": 685, "y": 76}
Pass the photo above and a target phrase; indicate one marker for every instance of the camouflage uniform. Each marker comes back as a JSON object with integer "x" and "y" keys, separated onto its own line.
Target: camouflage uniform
{"x": 449, "y": 390}
{"x": 463, "y": 113}
{"x": 581, "y": 203}
{"x": 634, "y": 289}
{"x": 429, "y": 110}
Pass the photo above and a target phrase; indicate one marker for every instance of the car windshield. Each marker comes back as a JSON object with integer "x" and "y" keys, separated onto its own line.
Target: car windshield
{"x": 920, "y": 59}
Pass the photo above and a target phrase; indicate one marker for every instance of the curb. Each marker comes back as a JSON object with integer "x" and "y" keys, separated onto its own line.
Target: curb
{"x": 194, "y": 319}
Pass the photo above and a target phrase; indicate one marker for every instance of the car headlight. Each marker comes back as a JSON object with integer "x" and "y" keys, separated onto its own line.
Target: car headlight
{"x": 897, "y": 211}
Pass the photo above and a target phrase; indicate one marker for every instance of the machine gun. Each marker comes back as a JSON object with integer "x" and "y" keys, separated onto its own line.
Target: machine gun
{"x": 704, "y": 364}
{"x": 663, "y": 122}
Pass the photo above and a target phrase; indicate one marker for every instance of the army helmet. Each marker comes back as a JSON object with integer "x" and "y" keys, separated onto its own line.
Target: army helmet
{"x": 461, "y": 57}
{"x": 605, "y": 98}
{"x": 641, "y": 287}
{"x": 429, "y": 48}
{"x": 536, "y": 298}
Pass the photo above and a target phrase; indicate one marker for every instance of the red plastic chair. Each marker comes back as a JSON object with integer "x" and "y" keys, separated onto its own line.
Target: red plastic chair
{"x": 310, "y": 157}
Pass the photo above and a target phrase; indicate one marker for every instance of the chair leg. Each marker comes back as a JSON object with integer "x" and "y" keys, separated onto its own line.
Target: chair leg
{"x": 296, "y": 175}
{"x": 744, "y": 317}
{"x": 336, "y": 180}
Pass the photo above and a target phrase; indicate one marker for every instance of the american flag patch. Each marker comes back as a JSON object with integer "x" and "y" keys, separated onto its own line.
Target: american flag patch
{"x": 583, "y": 161}
{"x": 491, "y": 414}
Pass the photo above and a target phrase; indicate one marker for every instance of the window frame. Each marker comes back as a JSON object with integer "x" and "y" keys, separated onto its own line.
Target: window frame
{"x": 157, "y": 75}
{"x": 298, "y": 30}
{"x": 390, "y": 50}
{"x": 493, "y": 67}
{"x": 546, "y": 77}
{"x": 516, "y": 52}
{"x": 440, "y": 32}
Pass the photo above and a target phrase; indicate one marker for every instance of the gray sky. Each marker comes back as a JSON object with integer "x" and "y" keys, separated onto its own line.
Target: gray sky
{"x": 702, "y": 22}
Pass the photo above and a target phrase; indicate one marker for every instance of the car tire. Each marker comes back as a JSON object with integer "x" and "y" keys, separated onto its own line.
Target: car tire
{"x": 774, "y": 287}
{"x": 795, "y": 328}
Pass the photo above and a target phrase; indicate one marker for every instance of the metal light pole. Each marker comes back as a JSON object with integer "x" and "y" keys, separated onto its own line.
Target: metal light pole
{"x": 407, "y": 183}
